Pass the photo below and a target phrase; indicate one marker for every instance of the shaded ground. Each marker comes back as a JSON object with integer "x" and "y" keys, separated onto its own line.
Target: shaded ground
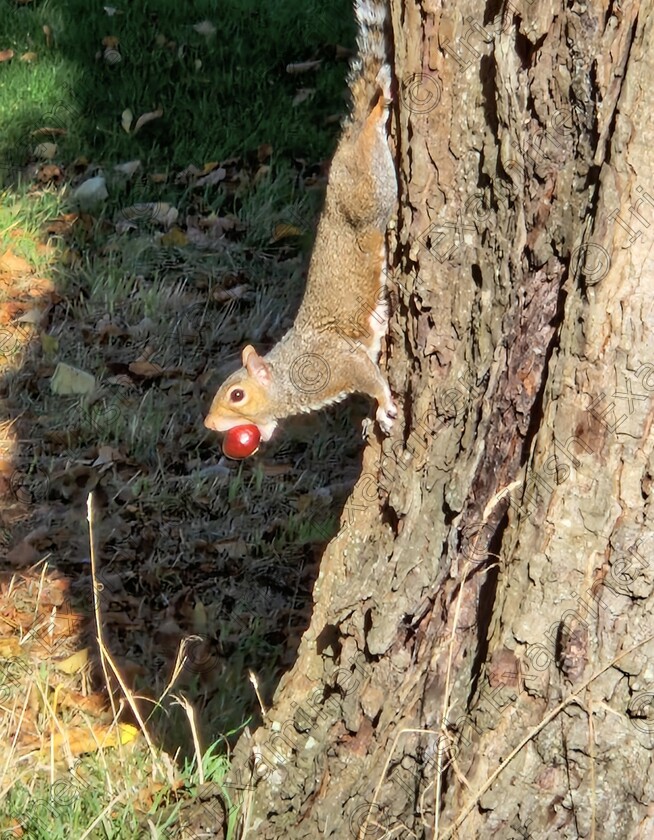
{"x": 119, "y": 315}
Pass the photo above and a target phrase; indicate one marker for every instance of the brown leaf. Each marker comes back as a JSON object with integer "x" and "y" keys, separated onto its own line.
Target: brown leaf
{"x": 146, "y": 369}
{"x": 13, "y": 263}
{"x": 6, "y": 55}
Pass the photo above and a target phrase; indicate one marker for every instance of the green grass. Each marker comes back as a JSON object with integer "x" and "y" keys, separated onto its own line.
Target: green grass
{"x": 222, "y": 94}
{"x": 193, "y": 545}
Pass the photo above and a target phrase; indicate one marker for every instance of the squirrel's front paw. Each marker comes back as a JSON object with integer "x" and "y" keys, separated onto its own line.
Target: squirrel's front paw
{"x": 386, "y": 416}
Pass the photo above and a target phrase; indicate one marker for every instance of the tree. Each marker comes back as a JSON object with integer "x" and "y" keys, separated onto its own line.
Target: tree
{"x": 478, "y": 659}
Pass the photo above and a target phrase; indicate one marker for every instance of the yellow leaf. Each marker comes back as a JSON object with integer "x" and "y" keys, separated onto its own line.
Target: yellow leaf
{"x": 175, "y": 238}
{"x": 10, "y": 648}
{"x": 200, "y": 618}
{"x": 80, "y": 740}
{"x": 49, "y": 344}
{"x": 75, "y": 663}
{"x": 68, "y": 380}
{"x": 285, "y": 231}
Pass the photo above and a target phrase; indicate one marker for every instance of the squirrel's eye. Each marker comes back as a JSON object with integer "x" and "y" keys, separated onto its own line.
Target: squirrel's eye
{"x": 236, "y": 395}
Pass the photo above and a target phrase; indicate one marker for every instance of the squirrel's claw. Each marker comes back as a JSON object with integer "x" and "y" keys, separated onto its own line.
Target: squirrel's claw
{"x": 386, "y": 417}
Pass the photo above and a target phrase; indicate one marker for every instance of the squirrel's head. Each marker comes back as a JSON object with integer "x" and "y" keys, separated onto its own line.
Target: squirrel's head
{"x": 244, "y": 397}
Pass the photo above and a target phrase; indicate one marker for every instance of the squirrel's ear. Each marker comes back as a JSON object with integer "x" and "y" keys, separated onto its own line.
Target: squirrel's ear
{"x": 255, "y": 365}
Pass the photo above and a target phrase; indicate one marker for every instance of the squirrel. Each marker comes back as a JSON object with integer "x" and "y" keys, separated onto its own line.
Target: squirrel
{"x": 333, "y": 347}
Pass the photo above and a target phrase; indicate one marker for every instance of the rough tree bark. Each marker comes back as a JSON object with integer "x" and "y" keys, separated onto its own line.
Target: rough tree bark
{"x": 479, "y": 660}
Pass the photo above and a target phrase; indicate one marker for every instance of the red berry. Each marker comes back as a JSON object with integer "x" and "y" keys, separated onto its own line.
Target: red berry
{"x": 241, "y": 442}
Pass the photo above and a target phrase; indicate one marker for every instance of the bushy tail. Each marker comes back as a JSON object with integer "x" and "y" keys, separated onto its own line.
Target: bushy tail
{"x": 370, "y": 73}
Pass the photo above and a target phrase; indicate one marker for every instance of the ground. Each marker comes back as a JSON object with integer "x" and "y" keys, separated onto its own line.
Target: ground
{"x": 162, "y": 173}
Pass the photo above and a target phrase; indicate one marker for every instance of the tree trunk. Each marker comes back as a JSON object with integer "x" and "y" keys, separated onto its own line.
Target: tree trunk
{"x": 478, "y": 659}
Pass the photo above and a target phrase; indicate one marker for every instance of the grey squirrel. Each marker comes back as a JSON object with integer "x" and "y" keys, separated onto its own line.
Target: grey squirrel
{"x": 332, "y": 349}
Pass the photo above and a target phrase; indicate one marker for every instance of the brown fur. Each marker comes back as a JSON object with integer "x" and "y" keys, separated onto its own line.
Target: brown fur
{"x": 331, "y": 350}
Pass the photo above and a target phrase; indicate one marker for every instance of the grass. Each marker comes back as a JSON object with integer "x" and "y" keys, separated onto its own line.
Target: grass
{"x": 154, "y": 312}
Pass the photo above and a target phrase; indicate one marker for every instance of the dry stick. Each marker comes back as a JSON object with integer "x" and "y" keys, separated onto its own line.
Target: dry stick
{"x": 105, "y": 656}
{"x": 572, "y": 698}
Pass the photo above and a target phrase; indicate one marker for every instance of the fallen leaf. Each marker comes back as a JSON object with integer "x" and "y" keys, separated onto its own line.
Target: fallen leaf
{"x": 32, "y": 316}
{"x": 110, "y": 41}
{"x": 303, "y": 95}
{"x": 80, "y": 740}
{"x": 45, "y": 151}
{"x": 189, "y": 174}
{"x": 126, "y": 119}
{"x": 10, "y": 648}
{"x": 159, "y": 212}
{"x": 112, "y": 56}
{"x": 29, "y": 56}
{"x": 91, "y": 192}
{"x": 282, "y": 230}
{"x": 74, "y": 663}
{"x": 128, "y": 168}
{"x": 49, "y": 172}
{"x": 6, "y": 55}
{"x": 48, "y": 130}
{"x": 205, "y": 28}
{"x": 92, "y": 705}
{"x": 212, "y": 178}
{"x": 106, "y": 455}
{"x": 146, "y": 118}
{"x": 49, "y": 344}
{"x": 303, "y": 66}
{"x": 158, "y": 177}
{"x": 67, "y": 380}
{"x": 146, "y": 369}
{"x": 13, "y": 263}
{"x": 174, "y": 238}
